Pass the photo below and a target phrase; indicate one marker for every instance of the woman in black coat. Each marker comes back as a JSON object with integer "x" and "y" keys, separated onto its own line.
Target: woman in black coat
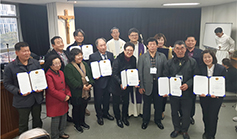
{"x": 210, "y": 104}
{"x": 124, "y": 60}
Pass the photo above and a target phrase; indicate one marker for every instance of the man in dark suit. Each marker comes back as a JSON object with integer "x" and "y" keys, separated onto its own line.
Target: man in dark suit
{"x": 101, "y": 92}
{"x": 195, "y": 53}
{"x": 58, "y": 45}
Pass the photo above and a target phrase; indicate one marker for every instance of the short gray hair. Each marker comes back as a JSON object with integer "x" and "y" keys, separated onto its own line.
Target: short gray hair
{"x": 96, "y": 41}
{"x": 179, "y": 42}
{"x": 111, "y": 31}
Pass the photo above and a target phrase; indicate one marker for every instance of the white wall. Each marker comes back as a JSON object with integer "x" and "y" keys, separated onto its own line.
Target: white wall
{"x": 57, "y": 27}
{"x": 220, "y": 13}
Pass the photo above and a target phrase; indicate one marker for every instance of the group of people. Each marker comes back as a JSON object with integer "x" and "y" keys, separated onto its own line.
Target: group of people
{"x": 69, "y": 77}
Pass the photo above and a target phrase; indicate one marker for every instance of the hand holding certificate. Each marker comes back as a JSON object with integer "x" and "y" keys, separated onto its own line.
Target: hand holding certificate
{"x": 33, "y": 81}
{"x": 129, "y": 77}
{"x": 200, "y": 85}
{"x": 87, "y": 51}
{"x": 101, "y": 68}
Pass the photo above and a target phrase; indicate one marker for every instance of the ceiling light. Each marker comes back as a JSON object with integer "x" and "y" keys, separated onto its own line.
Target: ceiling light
{"x": 180, "y": 4}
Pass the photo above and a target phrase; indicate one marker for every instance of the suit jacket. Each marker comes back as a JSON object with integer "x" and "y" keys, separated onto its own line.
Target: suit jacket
{"x": 53, "y": 52}
{"x": 197, "y": 55}
{"x": 144, "y": 64}
{"x": 219, "y": 70}
{"x": 102, "y": 81}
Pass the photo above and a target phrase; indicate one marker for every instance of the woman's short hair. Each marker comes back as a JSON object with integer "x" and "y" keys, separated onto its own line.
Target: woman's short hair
{"x": 129, "y": 44}
{"x": 49, "y": 61}
{"x": 73, "y": 53}
{"x": 211, "y": 53}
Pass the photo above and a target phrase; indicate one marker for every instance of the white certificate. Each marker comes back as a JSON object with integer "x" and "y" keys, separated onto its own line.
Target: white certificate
{"x": 163, "y": 86}
{"x": 24, "y": 82}
{"x": 87, "y": 51}
{"x": 217, "y": 86}
{"x": 175, "y": 84}
{"x": 124, "y": 78}
{"x": 38, "y": 80}
{"x": 200, "y": 85}
{"x": 105, "y": 67}
{"x": 78, "y": 47}
{"x": 95, "y": 69}
{"x": 132, "y": 77}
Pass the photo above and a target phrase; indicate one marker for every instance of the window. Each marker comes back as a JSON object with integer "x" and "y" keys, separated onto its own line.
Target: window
{"x": 9, "y": 33}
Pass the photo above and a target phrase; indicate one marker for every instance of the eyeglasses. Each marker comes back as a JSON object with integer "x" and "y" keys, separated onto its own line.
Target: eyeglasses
{"x": 128, "y": 50}
{"x": 56, "y": 64}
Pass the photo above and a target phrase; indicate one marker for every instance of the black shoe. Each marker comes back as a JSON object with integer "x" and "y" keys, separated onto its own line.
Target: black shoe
{"x": 125, "y": 121}
{"x": 109, "y": 117}
{"x": 78, "y": 128}
{"x": 69, "y": 119}
{"x": 85, "y": 126}
{"x": 64, "y": 136}
{"x": 144, "y": 125}
{"x": 119, "y": 123}
{"x": 174, "y": 134}
{"x": 204, "y": 136}
{"x": 185, "y": 135}
{"x": 192, "y": 121}
{"x": 100, "y": 121}
{"x": 160, "y": 125}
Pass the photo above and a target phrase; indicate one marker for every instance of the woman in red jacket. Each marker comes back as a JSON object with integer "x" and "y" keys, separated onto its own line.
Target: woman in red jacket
{"x": 57, "y": 95}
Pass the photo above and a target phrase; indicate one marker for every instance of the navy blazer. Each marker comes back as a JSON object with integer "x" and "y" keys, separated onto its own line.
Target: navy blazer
{"x": 102, "y": 81}
{"x": 219, "y": 70}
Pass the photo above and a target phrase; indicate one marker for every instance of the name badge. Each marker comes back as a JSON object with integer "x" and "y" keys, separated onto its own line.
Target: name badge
{"x": 87, "y": 79}
{"x": 180, "y": 76}
{"x": 153, "y": 70}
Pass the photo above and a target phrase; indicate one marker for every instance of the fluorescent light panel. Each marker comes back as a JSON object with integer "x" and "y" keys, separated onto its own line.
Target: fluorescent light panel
{"x": 180, "y": 4}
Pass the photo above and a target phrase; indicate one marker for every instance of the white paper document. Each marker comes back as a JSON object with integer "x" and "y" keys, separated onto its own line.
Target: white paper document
{"x": 163, "y": 86}
{"x": 175, "y": 84}
{"x": 87, "y": 51}
{"x": 129, "y": 77}
{"x": 217, "y": 86}
{"x": 78, "y": 47}
{"x": 38, "y": 80}
{"x": 33, "y": 81}
{"x": 200, "y": 85}
{"x": 124, "y": 78}
{"x": 105, "y": 67}
{"x": 95, "y": 69}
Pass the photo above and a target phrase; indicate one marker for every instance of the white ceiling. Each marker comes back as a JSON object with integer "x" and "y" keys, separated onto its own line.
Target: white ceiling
{"x": 126, "y": 3}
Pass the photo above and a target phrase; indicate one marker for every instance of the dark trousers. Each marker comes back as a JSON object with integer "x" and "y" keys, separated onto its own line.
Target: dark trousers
{"x": 185, "y": 105}
{"x": 158, "y": 105}
{"x": 125, "y": 102}
{"x": 193, "y": 106}
{"x": 24, "y": 113}
{"x": 210, "y": 110}
{"x": 101, "y": 97}
{"x": 78, "y": 112}
{"x": 164, "y": 103}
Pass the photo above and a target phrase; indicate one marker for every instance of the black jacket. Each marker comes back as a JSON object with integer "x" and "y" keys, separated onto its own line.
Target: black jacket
{"x": 11, "y": 84}
{"x": 119, "y": 65}
{"x": 231, "y": 80}
{"x": 187, "y": 69}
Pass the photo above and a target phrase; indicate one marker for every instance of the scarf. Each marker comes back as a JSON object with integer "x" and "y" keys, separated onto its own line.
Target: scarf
{"x": 82, "y": 71}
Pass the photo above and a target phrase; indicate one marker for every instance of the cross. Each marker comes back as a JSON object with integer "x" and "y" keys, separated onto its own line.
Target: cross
{"x": 66, "y": 18}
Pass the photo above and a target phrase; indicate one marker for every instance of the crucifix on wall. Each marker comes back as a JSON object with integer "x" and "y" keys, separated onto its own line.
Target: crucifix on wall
{"x": 66, "y": 18}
